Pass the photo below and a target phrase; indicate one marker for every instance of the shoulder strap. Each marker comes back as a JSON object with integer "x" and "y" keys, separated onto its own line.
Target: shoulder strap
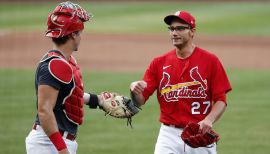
{"x": 52, "y": 54}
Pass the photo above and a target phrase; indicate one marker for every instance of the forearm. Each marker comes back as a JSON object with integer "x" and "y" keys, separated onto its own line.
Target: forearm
{"x": 136, "y": 92}
{"x": 47, "y": 97}
{"x": 138, "y": 99}
{"x": 216, "y": 112}
{"x": 49, "y": 125}
{"x": 48, "y": 121}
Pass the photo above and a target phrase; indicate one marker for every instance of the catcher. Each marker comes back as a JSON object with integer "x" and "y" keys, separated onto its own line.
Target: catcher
{"x": 59, "y": 88}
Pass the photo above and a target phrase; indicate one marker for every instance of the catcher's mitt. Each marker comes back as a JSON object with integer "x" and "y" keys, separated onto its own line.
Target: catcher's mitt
{"x": 118, "y": 106}
{"x": 194, "y": 139}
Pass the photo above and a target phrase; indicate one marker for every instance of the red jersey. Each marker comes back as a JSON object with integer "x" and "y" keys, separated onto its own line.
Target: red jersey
{"x": 186, "y": 88}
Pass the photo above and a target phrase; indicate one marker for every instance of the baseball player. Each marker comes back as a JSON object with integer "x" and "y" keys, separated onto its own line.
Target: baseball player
{"x": 191, "y": 86}
{"x": 59, "y": 86}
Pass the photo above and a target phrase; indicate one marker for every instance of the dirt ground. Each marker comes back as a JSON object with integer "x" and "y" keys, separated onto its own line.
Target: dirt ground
{"x": 131, "y": 52}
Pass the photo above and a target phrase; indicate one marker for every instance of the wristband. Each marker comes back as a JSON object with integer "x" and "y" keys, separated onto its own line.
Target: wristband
{"x": 58, "y": 141}
{"x": 93, "y": 101}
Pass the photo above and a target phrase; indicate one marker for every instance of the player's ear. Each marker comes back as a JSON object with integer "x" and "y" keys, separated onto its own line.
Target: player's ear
{"x": 192, "y": 32}
{"x": 73, "y": 35}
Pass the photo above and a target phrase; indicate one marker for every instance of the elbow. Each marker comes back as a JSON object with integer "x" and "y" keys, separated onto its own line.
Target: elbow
{"x": 223, "y": 105}
{"x": 44, "y": 112}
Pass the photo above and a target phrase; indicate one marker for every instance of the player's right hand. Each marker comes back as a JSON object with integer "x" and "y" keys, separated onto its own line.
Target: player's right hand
{"x": 137, "y": 87}
{"x": 64, "y": 151}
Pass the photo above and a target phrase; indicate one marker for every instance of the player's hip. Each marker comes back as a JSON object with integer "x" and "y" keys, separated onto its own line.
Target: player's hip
{"x": 169, "y": 141}
{"x": 37, "y": 142}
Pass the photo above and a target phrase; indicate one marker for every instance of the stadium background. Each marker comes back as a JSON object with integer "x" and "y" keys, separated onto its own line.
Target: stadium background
{"x": 117, "y": 46}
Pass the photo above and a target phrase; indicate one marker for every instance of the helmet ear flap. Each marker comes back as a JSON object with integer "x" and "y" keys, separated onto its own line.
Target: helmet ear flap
{"x": 55, "y": 33}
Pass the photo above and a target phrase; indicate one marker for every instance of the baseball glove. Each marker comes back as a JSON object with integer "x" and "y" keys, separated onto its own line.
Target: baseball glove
{"x": 194, "y": 139}
{"x": 118, "y": 106}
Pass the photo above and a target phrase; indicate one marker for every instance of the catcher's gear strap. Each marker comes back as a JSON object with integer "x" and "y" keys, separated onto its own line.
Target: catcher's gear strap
{"x": 93, "y": 101}
{"x": 61, "y": 70}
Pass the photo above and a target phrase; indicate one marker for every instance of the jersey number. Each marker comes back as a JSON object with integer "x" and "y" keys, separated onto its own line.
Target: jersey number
{"x": 196, "y": 107}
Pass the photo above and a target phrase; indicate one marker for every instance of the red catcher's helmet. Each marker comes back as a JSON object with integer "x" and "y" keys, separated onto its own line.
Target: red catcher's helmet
{"x": 66, "y": 18}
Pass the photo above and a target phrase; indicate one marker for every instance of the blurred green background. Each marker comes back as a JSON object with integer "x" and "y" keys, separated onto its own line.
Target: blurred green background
{"x": 245, "y": 18}
{"x": 244, "y": 128}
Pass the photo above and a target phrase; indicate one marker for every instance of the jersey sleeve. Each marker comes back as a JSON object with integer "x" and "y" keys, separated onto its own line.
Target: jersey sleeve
{"x": 150, "y": 77}
{"x": 44, "y": 77}
{"x": 220, "y": 84}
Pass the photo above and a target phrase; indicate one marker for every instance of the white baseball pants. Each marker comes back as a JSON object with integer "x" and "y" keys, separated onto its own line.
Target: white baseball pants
{"x": 37, "y": 142}
{"x": 170, "y": 142}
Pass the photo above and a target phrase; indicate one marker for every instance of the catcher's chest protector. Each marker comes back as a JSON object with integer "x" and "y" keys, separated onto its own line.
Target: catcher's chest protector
{"x": 73, "y": 102}
{"x": 73, "y": 105}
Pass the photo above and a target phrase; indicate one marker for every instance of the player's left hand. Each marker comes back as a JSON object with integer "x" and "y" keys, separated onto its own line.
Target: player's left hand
{"x": 194, "y": 139}
{"x": 205, "y": 125}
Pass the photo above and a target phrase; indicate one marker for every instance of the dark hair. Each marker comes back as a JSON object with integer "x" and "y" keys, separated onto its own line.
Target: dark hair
{"x": 63, "y": 40}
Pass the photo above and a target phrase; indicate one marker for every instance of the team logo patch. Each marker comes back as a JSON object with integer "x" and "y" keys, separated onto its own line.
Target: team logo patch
{"x": 192, "y": 89}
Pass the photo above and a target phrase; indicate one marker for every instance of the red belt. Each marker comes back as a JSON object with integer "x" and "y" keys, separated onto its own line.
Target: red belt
{"x": 175, "y": 126}
{"x": 69, "y": 136}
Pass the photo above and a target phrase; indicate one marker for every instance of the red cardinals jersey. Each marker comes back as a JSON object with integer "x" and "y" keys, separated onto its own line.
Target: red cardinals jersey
{"x": 186, "y": 88}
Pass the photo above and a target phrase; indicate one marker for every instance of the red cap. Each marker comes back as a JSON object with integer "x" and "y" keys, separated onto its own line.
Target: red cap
{"x": 182, "y": 15}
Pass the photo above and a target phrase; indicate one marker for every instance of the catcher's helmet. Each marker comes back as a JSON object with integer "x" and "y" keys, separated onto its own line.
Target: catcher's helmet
{"x": 66, "y": 18}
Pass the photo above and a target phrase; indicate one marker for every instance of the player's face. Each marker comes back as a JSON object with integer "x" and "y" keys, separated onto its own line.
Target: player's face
{"x": 180, "y": 33}
{"x": 77, "y": 40}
